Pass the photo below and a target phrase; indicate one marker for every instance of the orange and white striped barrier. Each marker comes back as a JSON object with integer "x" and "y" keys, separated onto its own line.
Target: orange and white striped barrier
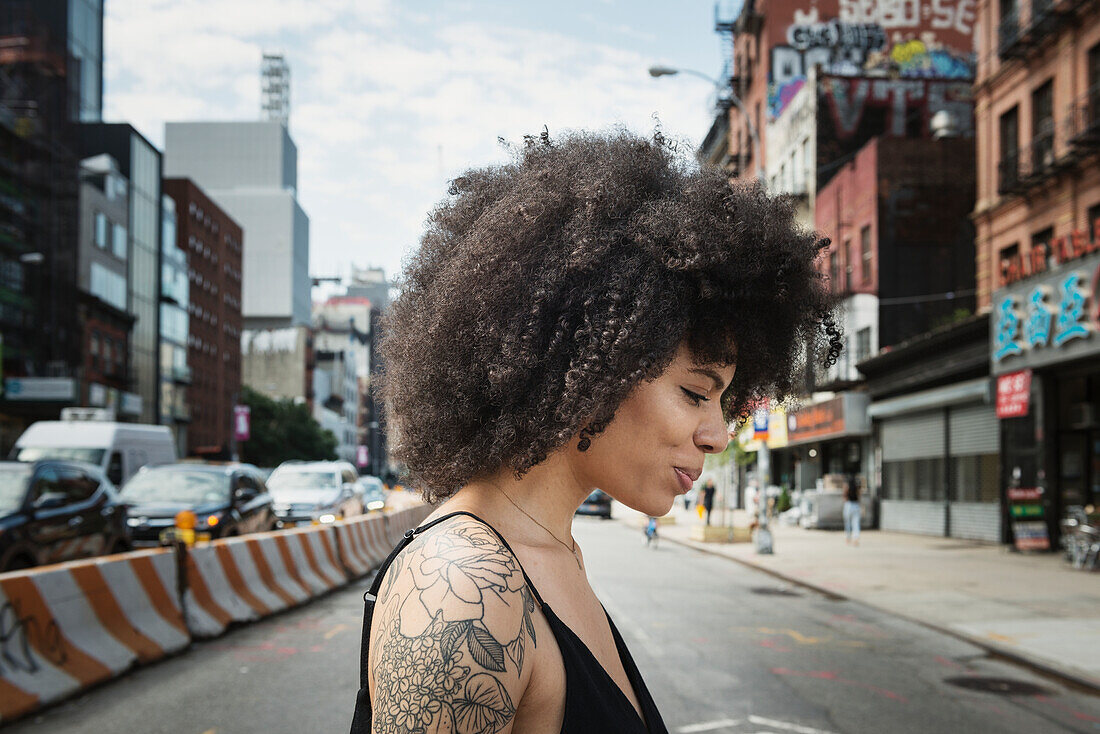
{"x": 73, "y": 625}
{"x": 363, "y": 543}
{"x": 246, "y": 578}
{"x": 404, "y": 520}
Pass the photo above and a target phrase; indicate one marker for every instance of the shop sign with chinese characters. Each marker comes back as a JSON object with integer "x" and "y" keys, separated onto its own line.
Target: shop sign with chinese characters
{"x": 1013, "y": 394}
{"x": 1047, "y": 319}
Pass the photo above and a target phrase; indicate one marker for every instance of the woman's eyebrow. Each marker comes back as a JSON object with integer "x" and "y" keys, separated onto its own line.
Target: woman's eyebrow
{"x": 705, "y": 372}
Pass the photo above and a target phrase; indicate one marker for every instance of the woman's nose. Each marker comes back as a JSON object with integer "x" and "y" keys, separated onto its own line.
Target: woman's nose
{"x": 712, "y": 436}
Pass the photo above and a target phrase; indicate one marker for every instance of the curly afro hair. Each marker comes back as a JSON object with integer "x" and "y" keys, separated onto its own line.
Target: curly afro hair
{"x": 544, "y": 290}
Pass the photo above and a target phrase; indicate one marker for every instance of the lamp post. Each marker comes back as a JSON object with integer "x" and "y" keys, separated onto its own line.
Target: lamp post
{"x": 722, "y": 89}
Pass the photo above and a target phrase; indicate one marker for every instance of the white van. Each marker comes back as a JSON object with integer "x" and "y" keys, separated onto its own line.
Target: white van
{"x": 120, "y": 449}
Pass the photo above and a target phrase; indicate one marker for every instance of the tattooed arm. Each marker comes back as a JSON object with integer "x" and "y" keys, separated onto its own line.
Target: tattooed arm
{"x": 449, "y": 635}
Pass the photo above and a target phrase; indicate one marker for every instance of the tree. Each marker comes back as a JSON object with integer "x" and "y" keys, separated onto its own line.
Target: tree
{"x": 283, "y": 430}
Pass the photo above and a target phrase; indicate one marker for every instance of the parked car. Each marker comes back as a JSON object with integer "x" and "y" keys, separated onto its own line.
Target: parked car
{"x": 372, "y": 493}
{"x": 54, "y": 511}
{"x": 314, "y": 491}
{"x": 227, "y": 499}
{"x": 119, "y": 449}
{"x": 597, "y": 503}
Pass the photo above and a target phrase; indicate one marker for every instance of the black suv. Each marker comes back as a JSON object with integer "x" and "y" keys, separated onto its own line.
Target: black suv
{"x": 597, "y": 503}
{"x": 227, "y": 499}
{"x": 54, "y": 511}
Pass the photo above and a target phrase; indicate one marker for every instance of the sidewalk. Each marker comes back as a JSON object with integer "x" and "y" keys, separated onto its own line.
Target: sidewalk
{"x": 1032, "y": 608}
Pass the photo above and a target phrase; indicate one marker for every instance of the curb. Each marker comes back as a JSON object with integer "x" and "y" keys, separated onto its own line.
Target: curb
{"x": 1075, "y": 681}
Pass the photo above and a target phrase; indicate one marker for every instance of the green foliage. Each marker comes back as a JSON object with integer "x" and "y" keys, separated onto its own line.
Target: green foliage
{"x": 742, "y": 457}
{"x": 784, "y": 502}
{"x": 959, "y": 314}
{"x": 283, "y": 430}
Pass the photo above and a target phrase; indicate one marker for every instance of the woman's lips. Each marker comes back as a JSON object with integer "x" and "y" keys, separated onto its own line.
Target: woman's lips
{"x": 685, "y": 479}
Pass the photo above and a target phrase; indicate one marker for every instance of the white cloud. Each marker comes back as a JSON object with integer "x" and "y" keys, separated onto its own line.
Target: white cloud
{"x": 386, "y": 104}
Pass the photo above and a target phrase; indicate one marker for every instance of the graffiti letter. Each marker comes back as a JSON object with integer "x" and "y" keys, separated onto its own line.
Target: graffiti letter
{"x": 848, "y": 99}
{"x": 786, "y": 65}
{"x": 902, "y": 92}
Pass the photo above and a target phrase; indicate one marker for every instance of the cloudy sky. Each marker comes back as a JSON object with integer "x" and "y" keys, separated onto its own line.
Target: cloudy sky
{"x": 391, "y": 99}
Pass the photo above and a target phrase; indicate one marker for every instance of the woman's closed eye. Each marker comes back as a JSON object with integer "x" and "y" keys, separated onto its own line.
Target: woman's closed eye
{"x": 695, "y": 397}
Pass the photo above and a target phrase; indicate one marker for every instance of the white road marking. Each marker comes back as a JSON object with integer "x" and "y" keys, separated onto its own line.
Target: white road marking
{"x": 799, "y": 729}
{"x": 708, "y": 726}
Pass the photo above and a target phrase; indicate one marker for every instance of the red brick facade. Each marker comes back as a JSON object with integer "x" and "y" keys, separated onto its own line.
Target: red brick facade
{"x": 213, "y": 242}
{"x": 1037, "y": 97}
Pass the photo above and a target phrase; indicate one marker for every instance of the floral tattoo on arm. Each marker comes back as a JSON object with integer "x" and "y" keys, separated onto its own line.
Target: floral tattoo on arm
{"x": 452, "y": 644}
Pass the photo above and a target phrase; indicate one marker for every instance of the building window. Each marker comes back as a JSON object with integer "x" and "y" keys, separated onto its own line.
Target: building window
{"x": 1009, "y": 167}
{"x": 1042, "y": 127}
{"x": 118, "y": 241}
{"x": 848, "y": 260}
{"x": 101, "y": 230}
{"x": 1093, "y": 215}
{"x": 1092, "y": 104}
{"x": 834, "y": 269}
{"x": 863, "y": 344}
{"x": 1042, "y": 239}
{"x": 1009, "y": 25}
{"x": 108, "y": 286}
{"x": 865, "y": 254}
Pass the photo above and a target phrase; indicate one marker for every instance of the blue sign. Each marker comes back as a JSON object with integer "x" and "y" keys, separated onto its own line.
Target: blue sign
{"x": 1049, "y": 318}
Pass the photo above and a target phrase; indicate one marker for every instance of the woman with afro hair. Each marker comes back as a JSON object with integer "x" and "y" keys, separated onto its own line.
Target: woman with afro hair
{"x": 594, "y": 314}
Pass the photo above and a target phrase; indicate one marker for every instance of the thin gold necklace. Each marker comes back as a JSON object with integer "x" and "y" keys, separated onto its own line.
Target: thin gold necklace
{"x": 572, "y": 550}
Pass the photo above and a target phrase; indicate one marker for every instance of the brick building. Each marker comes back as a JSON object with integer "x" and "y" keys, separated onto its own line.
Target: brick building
{"x": 895, "y": 47}
{"x": 1037, "y": 95}
{"x": 213, "y": 242}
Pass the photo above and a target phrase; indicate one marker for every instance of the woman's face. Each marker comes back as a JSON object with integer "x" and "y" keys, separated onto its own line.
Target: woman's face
{"x": 653, "y": 449}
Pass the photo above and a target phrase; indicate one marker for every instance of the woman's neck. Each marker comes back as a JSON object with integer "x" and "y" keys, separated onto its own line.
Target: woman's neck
{"x": 548, "y": 494}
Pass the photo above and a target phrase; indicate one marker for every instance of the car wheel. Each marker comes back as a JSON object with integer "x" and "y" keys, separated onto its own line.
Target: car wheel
{"x": 119, "y": 546}
{"x": 18, "y": 563}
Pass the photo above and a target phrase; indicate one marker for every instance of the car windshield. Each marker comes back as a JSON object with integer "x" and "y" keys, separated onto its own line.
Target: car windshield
{"x": 13, "y": 486}
{"x": 187, "y": 487}
{"x": 57, "y": 453}
{"x": 303, "y": 480}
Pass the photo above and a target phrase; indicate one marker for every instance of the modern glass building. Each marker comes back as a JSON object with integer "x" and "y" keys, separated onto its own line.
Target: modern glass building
{"x": 80, "y": 24}
{"x": 140, "y": 162}
{"x": 175, "y": 375}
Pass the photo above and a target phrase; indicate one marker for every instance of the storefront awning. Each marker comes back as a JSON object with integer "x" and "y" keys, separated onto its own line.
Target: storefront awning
{"x": 961, "y": 392}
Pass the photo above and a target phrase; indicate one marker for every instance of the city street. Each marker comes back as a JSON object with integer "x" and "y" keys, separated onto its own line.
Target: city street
{"x": 723, "y": 649}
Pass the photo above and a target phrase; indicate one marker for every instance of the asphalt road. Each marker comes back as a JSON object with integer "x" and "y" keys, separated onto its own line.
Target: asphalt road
{"x": 723, "y": 649}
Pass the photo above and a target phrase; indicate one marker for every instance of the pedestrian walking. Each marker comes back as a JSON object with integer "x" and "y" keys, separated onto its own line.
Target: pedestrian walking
{"x": 708, "y": 498}
{"x": 592, "y": 314}
{"x": 651, "y": 532}
{"x": 852, "y": 511}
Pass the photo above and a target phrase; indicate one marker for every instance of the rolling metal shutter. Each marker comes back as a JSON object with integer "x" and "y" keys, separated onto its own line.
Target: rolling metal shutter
{"x": 918, "y": 436}
{"x": 974, "y": 430}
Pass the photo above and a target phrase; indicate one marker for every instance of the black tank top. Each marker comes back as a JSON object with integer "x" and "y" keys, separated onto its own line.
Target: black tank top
{"x": 593, "y": 701}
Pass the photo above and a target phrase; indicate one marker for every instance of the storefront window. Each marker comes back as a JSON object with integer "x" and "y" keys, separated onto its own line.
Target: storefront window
{"x": 976, "y": 478}
{"x": 914, "y": 479}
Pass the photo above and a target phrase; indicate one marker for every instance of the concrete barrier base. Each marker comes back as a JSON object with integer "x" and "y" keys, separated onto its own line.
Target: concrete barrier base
{"x": 720, "y": 534}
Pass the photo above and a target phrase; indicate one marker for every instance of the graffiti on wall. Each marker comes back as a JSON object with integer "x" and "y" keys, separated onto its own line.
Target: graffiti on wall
{"x": 907, "y": 39}
{"x": 902, "y": 100}
{"x": 23, "y": 635}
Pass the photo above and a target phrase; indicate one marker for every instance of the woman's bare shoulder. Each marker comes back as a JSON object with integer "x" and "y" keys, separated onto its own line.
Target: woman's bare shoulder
{"x": 452, "y": 632}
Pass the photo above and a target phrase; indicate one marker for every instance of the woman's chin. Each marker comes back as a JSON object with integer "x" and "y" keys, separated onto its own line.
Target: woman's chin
{"x": 654, "y": 506}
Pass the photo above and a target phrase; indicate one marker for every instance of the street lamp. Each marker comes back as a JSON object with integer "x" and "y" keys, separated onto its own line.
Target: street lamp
{"x": 724, "y": 92}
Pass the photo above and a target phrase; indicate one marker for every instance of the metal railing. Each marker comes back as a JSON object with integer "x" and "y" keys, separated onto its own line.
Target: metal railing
{"x": 1008, "y": 33}
{"x": 1031, "y": 25}
{"x": 1082, "y": 122}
